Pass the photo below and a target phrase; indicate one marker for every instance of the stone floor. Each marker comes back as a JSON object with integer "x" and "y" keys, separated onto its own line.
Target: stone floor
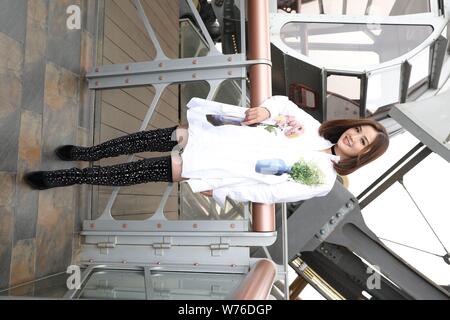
{"x": 44, "y": 103}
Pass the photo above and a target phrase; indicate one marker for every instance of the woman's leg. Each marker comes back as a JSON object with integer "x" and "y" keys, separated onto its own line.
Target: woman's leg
{"x": 182, "y": 136}
{"x": 161, "y": 140}
{"x": 143, "y": 171}
{"x": 177, "y": 164}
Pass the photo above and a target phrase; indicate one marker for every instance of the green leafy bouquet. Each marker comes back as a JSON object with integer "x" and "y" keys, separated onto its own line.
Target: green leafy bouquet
{"x": 307, "y": 173}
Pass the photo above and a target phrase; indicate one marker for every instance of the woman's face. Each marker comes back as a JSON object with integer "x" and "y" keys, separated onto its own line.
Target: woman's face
{"x": 354, "y": 140}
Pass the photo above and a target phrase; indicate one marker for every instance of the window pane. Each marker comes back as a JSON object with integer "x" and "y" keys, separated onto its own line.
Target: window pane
{"x": 358, "y": 7}
{"x": 352, "y": 45}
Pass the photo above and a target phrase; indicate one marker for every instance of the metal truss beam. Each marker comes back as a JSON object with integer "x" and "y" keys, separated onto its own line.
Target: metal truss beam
{"x": 170, "y": 71}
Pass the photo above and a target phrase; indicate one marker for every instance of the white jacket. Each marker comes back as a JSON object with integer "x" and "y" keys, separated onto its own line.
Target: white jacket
{"x": 223, "y": 158}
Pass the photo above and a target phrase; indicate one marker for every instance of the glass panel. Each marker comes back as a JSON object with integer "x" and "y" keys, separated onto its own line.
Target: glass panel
{"x": 192, "y": 43}
{"x": 229, "y": 92}
{"x": 352, "y": 45}
{"x": 115, "y": 284}
{"x": 343, "y": 97}
{"x": 53, "y": 287}
{"x": 383, "y": 87}
{"x": 428, "y": 185}
{"x": 163, "y": 285}
{"x": 357, "y": 7}
{"x": 193, "y": 286}
{"x": 420, "y": 66}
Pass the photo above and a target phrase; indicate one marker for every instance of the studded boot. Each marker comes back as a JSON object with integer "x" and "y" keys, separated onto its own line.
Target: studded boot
{"x": 161, "y": 140}
{"x": 125, "y": 174}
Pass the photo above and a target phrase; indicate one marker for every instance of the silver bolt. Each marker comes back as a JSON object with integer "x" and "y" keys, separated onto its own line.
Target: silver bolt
{"x": 332, "y": 221}
{"x": 350, "y": 205}
{"x": 338, "y": 214}
{"x": 322, "y": 231}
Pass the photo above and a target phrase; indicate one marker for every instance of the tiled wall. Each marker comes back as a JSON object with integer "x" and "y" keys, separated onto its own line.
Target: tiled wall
{"x": 44, "y": 103}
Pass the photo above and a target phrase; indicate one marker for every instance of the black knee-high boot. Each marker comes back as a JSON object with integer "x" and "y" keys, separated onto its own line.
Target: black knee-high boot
{"x": 161, "y": 140}
{"x": 147, "y": 170}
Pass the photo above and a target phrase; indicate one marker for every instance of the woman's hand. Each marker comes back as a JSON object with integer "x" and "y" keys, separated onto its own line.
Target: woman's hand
{"x": 256, "y": 115}
{"x": 208, "y": 193}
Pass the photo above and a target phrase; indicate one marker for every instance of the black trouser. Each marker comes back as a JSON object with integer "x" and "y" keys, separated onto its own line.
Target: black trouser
{"x": 125, "y": 174}
{"x": 146, "y": 170}
{"x": 160, "y": 140}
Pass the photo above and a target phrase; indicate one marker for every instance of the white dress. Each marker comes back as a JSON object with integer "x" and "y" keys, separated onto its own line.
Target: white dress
{"x": 223, "y": 158}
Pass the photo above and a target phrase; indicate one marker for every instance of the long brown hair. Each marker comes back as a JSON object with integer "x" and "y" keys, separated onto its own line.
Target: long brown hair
{"x": 332, "y": 131}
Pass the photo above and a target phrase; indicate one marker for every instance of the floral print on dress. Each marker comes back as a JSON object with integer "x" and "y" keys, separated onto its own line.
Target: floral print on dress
{"x": 288, "y": 125}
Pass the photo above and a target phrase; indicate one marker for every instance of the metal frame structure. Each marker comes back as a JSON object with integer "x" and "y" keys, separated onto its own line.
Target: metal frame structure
{"x": 322, "y": 225}
{"x": 317, "y": 230}
{"x": 160, "y": 243}
{"x": 162, "y": 71}
{"x": 435, "y": 43}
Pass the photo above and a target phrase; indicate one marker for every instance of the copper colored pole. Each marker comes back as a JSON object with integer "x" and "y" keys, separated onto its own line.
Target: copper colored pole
{"x": 258, "y": 282}
{"x": 260, "y": 88}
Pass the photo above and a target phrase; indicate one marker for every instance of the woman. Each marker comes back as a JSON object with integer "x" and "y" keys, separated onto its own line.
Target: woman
{"x": 223, "y": 157}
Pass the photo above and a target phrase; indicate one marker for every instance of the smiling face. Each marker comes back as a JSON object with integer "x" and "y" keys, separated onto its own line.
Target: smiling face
{"x": 354, "y": 140}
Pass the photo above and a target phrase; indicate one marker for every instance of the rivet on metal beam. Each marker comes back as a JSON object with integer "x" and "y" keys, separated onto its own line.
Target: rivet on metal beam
{"x": 232, "y": 226}
{"x": 127, "y": 80}
{"x": 96, "y": 83}
{"x": 125, "y": 226}
{"x": 194, "y": 61}
{"x": 161, "y": 65}
{"x": 230, "y": 73}
{"x": 195, "y": 226}
{"x": 97, "y": 70}
{"x": 161, "y": 78}
{"x": 194, "y": 75}
{"x": 127, "y": 68}
{"x": 124, "y": 261}
{"x": 230, "y": 59}
{"x": 92, "y": 225}
{"x": 91, "y": 260}
{"x": 196, "y": 264}
{"x": 159, "y": 226}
